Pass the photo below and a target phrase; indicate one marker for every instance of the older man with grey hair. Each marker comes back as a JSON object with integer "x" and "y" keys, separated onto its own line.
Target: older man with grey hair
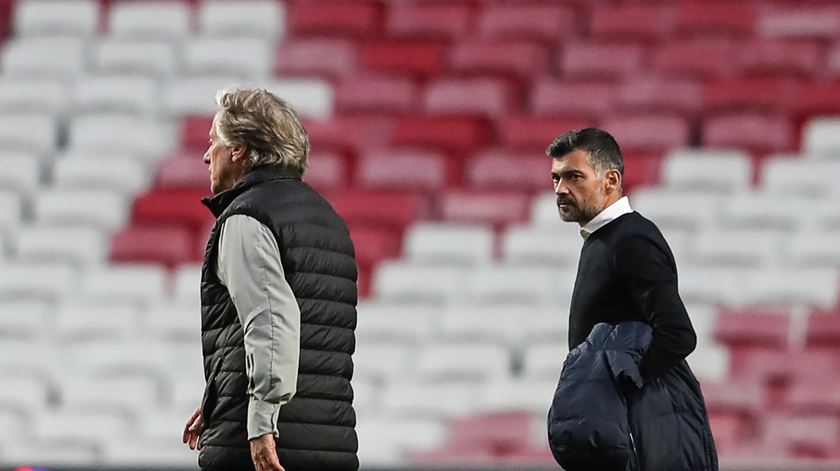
{"x": 278, "y": 302}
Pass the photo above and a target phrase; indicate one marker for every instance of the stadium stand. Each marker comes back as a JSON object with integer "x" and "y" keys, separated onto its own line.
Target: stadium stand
{"x": 428, "y": 121}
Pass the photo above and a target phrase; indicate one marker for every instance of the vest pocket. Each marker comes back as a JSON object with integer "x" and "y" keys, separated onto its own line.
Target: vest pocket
{"x": 208, "y": 399}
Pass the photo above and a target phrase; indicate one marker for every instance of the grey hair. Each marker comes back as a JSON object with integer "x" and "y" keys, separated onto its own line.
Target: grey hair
{"x": 266, "y": 125}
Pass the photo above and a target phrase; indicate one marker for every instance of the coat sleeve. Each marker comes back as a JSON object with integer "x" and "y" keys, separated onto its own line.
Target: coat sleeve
{"x": 649, "y": 273}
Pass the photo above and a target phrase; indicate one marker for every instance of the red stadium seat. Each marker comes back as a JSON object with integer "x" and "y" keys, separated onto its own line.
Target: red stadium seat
{"x": 172, "y": 207}
{"x": 736, "y": 396}
{"x": 329, "y": 58}
{"x": 641, "y": 169}
{"x": 164, "y": 245}
{"x": 645, "y": 22}
{"x": 752, "y": 328}
{"x": 454, "y": 456}
{"x": 377, "y": 94}
{"x": 728, "y": 430}
{"x": 547, "y": 22}
{"x": 183, "y": 172}
{"x": 660, "y": 95}
{"x": 756, "y": 132}
{"x": 695, "y": 58}
{"x": 485, "y": 207}
{"x": 319, "y": 18}
{"x": 392, "y": 210}
{"x": 501, "y": 433}
{"x": 436, "y": 20}
{"x": 374, "y": 244}
{"x": 572, "y": 98}
{"x": 823, "y": 330}
{"x": 449, "y": 133}
{"x": 716, "y": 18}
{"x": 771, "y": 94}
{"x": 535, "y": 133}
{"x": 402, "y": 169}
{"x": 504, "y": 170}
{"x": 469, "y": 97}
{"x": 648, "y": 133}
{"x": 819, "y": 395}
{"x": 601, "y": 61}
{"x": 328, "y": 172}
{"x": 195, "y": 132}
{"x": 817, "y": 99}
{"x": 782, "y": 365}
{"x": 420, "y": 58}
{"x": 799, "y": 20}
{"x": 517, "y": 58}
{"x": 778, "y": 58}
{"x": 802, "y": 436}
{"x": 349, "y": 133}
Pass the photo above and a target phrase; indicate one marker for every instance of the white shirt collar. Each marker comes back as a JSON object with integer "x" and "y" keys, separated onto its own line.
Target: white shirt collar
{"x": 611, "y": 213}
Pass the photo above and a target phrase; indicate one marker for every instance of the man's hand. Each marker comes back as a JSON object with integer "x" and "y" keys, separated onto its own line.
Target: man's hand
{"x": 264, "y": 454}
{"x": 192, "y": 431}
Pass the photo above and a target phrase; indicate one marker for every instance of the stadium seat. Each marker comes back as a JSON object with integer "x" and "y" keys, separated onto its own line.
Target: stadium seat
{"x": 186, "y": 283}
{"x": 544, "y": 213}
{"x": 195, "y": 95}
{"x": 63, "y": 425}
{"x": 46, "y": 57}
{"x": 338, "y": 18}
{"x": 150, "y": 19}
{"x": 544, "y": 361}
{"x": 99, "y": 208}
{"x": 763, "y": 211}
{"x": 157, "y": 451}
{"x": 818, "y": 396}
{"x": 139, "y": 284}
{"x": 713, "y": 285}
{"x": 80, "y": 246}
{"x": 779, "y": 366}
{"x": 406, "y": 325}
{"x": 499, "y": 324}
{"x": 728, "y": 430}
{"x": 36, "y": 280}
{"x": 486, "y": 208}
{"x": 28, "y": 320}
{"x": 403, "y": 57}
{"x": 172, "y": 208}
{"x": 448, "y": 244}
{"x": 327, "y": 172}
{"x": 501, "y": 169}
{"x": 150, "y": 57}
{"x": 378, "y": 93}
{"x": 754, "y": 132}
{"x": 126, "y": 176}
{"x": 659, "y": 95}
{"x": 223, "y": 56}
{"x": 517, "y": 395}
{"x": 456, "y": 361}
{"x": 600, "y": 61}
{"x": 709, "y": 171}
{"x": 147, "y": 138}
{"x": 11, "y": 208}
{"x": 727, "y": 248}
{"x": 816, "y": 100}
{"x": 779, "y": 58}
{"x": 501, "y": 58}
{"x": 666, "y": 207}
{"x": 29, "y": 133}
{"x": 572, "y": 98}
{"x": 717, "y": 18}
{"x": 350, "y": 133}
{"x": 648, "y": 132}
{"x": 131, "y": 395}
{"x": 793, "y": 21}
{"x": 53, "y": 451}
{"x": 25, "y": 395}
{"x": 419, "y": 20}
{"x": 811, "y": 436}
{"x": 81, "y": 321}
{"x": 168, "y": 246}
{"x": 43, "y": 18}
{"x": 710, "y": 362}
{"x": 812, "y": 250}
{"x": 21, "y": 173}
{"x": 374, "y": 244}
{"x": 319, "y": 57}
{"x": 803, "y": 286}
{"x": 823, "y": 330}
{"x": 45, "y": 95}
{"x": 747, "y": 398}
{"x": 182, "y": 173}
{"x": 407, "y": 283}
{"x": 381, "y": 362}
{"x": 529, "y": 133}
{"x": 532, "y": 246}
{"x": 250, "y": 18}
{"x": 805, "y": 176}
{"x": 174, "y": 321}
{"x": 632, "y": 23}
{"x": 457, "y": 134}
{"x": 113, "y": 94}
{"x": 110, "y": 357}
{"x": 519, "y": 285}
{"x": 694, "y": 58}
{"x": 412, "y": 398}
{"x": 544, "y": 22}
{"x": 394, "y": 210}
{"x": 820, "y": 138}
{"x": 500, "y": 432}
{"x": 401, "y": 169}
{"x": 385, "y": 440}
{"x": 768, "y": 94}
{"x": 753, "y": 329}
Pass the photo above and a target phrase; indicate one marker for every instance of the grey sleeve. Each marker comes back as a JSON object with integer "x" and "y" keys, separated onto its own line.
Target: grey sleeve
{"x": 249, "y": 266}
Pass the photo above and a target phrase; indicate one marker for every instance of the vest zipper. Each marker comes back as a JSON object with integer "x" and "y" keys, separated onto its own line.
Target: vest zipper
{"x": 635, "y": 452}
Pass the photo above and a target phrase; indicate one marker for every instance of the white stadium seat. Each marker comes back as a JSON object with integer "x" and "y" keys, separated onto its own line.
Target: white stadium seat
{"x": 187, "y": 283}
{"x": 195, "y": 95}
{"x": 515, "y": 394}
{"x": 709, "y": 362}
{"x": 800, "y": 175}
{"x": 311, "y": 98}
{"x": 744, "y": 248}
{"x": 97, "y": 208}
{"x": 406, "y": 283}
{"x": 381, "y": 361}
{"x": 821, "y": 138}
{"x": 468, "y": 361}
{"x": 411, "y": 324}
{"x": 385, "y": 440}
{"x": 509, "y": 325}
{"x": 14, "y": 425}
{"x": 726, "y": 286}
{"x": 132, "y": 395}
{"x": 544, "y": 211}
{"x": 125, "y": 94}
{"x": 503, "y": 284}
{"x": 11, "y": 205}
{"x": 144, "y": 137}
{"x": 64, "y": 451}
{"x": 704, "y": 170}
{"x": 669, "y": 209}
{"x": 171, "y": 320}
{"x": 765, "y": 211}
{"x": 418, "y": 399}
{"x": 24, "y": 319}
{"x": 24, "y": 394}
{"x": 29, "y": 133}
{"x": 150, "y": 19}
{"x": 535, "y": 246}
{"x": 448, "y": 244}
{"x": 21, "y": 172}
{"x": 75, "y": 245}
{"x": 260, "y": 18}
{"x": 794, "y": 287}
{"x": 125, "y": 176}
{"x": 96, "y": 357}
{"x": 46, "y": 95}
{"x": 155, "y": 58}
{"x": 36, "y": 280}
{"x": 55, "y": 57}
{"x": 56, "y": 17}
{"x": 64, "y": 425}
{"x": 140, "y": 284}
{"x": 151, "y": 452}
{"x": 544, "y": 361}
{"x": 247, "y": 58}
{"x": 813, "y": 250}
{"x": 76, "y": 321}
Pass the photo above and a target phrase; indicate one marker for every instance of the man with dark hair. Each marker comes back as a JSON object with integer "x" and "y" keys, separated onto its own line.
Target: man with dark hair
{"x": 627, "y": 273}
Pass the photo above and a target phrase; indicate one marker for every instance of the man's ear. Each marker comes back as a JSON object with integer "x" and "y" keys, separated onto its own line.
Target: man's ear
{"x": 238, "y": 152}
{"x": 614, "y": 180}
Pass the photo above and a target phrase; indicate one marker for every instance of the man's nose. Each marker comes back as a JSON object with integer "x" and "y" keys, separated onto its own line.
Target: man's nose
{"x": 560, "y": 189}
{"x": 206, "y": 157}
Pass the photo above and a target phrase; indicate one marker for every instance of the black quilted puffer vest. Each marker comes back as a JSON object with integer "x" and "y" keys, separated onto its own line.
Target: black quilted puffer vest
{"x": 316, "y": 428}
